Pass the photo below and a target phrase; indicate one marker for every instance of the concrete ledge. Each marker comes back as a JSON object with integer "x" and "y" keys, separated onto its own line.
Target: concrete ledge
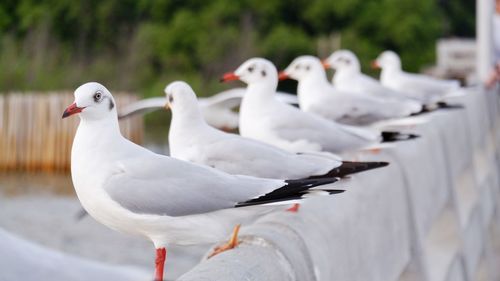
{"x": 431, "y": 215}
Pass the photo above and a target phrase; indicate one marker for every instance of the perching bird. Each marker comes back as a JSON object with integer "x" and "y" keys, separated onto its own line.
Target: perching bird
{"x": 192, "y": 139}
{"x": 318, "y": 96}
{"x": 348, "y": 77}
{"x": 131, "y": 189}
{"x": 264, "y": 118}
{"x": 426, "y": 89}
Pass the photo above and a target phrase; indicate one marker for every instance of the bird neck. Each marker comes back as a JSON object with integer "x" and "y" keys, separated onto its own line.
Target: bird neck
{"x": 314, "y": 80}
{"x": 97, "y": 132}
{"x": 345, "y": 73}
{"x": 389, "y": 71}
{"x": 260, "y": 91}
{"x": 187, "y": 117}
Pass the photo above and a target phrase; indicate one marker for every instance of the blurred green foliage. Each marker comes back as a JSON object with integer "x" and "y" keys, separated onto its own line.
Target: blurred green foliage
{"x": 141, "y": 45}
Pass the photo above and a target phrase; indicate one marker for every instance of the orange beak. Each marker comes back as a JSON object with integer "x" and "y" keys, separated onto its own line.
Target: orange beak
{"x": 230, "y": 76}
{"x": 283, "y": 76}
{"x": 325, "y": 64}
{"x": 375, "y": 65}
{"x": 72, "y": 109}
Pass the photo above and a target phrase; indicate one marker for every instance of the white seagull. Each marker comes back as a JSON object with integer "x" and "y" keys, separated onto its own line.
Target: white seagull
{"x": 131, "y": 189}
{"x": 217, "y": 110}
{"x": 317, "y": 95}
{"x": 264, "y": 118}
{"x": 348, "y": 77}
{"x": 426, "y": 89}
{"x": 192, "y": 139}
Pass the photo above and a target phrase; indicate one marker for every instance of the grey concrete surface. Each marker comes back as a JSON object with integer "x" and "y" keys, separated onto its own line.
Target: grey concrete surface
{"x": 431, "y": 215}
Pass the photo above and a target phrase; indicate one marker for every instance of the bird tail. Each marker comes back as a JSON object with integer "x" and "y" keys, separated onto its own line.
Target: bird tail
{"x": 439, "y": 105}
{"x": 445, "y": 105}
{"x": 349, "y": 167}
{"x": 293, "y": 190}
{"x": 391, "y": 136}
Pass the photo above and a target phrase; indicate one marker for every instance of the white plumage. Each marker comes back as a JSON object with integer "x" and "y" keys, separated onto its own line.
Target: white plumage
{"x": 131, "y": 189}
{"x": 348, "y": 77}
{"x": 264, "y": 118}
{"x": 426, "y": 89}
{"x": 316, "y": 95}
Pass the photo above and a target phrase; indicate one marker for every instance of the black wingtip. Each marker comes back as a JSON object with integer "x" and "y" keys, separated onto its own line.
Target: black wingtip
{"x": 297, "y": 196}
{"x": 348, "y": 168}
{"x": 292, "y": 190}
{"x": 389, "y": 136}
{"x": 445, "y": 105}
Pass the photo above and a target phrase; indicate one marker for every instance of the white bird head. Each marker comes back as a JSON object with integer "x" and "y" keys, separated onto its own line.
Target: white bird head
{"x": 302, "y": 68}
{"x": 253, "y": 71}
{"x": 92, "y": 101}
{"x": 388, "y": 59}
{"x": 180, "y": 96}
{"x": 342, "y": 59}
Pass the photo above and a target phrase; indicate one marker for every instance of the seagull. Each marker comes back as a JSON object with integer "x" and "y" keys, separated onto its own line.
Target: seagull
{"x": 316, "y": 95}
{"x": 426, "y": 89}
{"x": 217, "y": 110}
{"x": 264, "y": 118}
{"x": 348, "y": 77}
{"x": 192, "y": 139}
{"x": 131, "y": 189}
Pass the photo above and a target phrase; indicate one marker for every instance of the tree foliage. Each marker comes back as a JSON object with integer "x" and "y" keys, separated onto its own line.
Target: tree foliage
{"x": 141, "y": 45}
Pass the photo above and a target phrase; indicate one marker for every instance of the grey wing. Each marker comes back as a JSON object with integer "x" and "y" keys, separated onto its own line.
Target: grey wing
{"x": 164, "y": 186}
{"x": 303, "y": 125}
{"x": 228, "y": 99}
{"x": 142, "y": 106}
{"x": 232, "y": 98}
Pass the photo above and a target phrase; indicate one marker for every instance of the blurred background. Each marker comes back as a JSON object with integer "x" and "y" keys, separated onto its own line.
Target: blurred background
{"x": 50, "y": 47}
{"x": 139, "y": 46}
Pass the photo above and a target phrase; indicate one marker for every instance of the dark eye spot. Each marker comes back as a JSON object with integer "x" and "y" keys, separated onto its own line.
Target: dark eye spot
{"x": 297, "y": 66}
{"x": 250, "y": 69}
{"x": 263, "y": 72}
{"x": 170, "y": 99}
{"x": 308, "y": 67}
{"x": 97, "y": 96}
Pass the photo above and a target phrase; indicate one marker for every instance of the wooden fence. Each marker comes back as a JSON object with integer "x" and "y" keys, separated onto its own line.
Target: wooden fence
{"x": 33, "y": 137}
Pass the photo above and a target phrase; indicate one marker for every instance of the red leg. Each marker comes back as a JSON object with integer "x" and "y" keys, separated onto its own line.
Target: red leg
{"x": 161, "y": 255}
{"x": 294, "y": 208}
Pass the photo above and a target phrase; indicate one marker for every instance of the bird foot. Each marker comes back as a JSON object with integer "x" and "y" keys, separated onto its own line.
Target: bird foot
{"x": 294, "y": 208}
{"x": 231, "y": 244}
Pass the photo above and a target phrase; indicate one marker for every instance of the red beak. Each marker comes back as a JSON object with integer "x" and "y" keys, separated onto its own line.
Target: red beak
{"x": 325, "y": 64}
{"x": 375, "y": 65}
{"x": 283, "y": 76}
{"x": 230, "y": 76}
{"x": 72, "y": 109}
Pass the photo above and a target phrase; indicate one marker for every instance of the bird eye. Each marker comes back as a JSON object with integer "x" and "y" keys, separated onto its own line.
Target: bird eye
{"x": 250, "y": 69}
{"x": 97, "y": 96}
{"x": 307, "y": 67}
{"x": 170, "y": 99}
{"x": 297, "y": 66}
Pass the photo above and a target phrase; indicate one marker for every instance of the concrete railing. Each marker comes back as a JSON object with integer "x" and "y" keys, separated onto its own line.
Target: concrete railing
{"x": 431, "y": 215}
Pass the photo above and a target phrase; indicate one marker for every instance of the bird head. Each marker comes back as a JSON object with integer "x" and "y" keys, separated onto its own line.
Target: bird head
{"x": 252, "y": 71}
{"x": 302, "y": 68}
{"x": 342, "y": 59}
{"x": 180, "y": 96}
{"x": 387, "y": 59}
{"x": 92, "y": 101}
